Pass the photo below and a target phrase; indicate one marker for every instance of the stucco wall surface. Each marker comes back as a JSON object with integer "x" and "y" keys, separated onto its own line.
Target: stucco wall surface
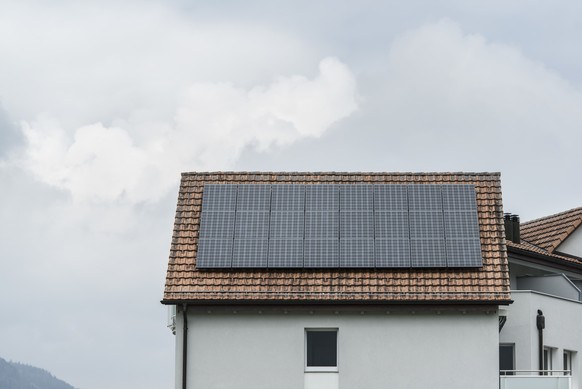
{"x": 555, "y": 284}
{"x": 573, "y": 244}
{"x": 405, "y": 351}
{"x": 562, "y": 331}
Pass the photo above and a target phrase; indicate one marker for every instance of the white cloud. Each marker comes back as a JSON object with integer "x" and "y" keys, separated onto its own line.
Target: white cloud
{"x": 214, "y": 122}
{"x": 441, "y": 80}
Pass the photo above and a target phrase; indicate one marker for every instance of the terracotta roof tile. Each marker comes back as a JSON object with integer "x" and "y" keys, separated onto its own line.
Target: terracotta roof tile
{"x": 490, "y": 283}
{"x": 549, "y": 232}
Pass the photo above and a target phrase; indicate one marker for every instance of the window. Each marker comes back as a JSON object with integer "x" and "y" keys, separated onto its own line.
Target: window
{"x": 507, "y": 358}
{"x": 567, "y": 362}
{"x": 321, "y": 349}
{"x": 548, "y": 365}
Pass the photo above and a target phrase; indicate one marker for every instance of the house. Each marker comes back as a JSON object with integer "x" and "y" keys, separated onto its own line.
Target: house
{"x": 545, "y": 266}
{"x": 340, "y": 280}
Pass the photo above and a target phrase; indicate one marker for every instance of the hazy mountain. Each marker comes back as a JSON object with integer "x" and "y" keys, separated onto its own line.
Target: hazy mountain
{"x": 19, "y": 376}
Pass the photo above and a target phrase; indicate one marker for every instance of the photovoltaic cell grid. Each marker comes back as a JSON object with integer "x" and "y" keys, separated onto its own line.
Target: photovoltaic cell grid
{"x": 328, "y": 225}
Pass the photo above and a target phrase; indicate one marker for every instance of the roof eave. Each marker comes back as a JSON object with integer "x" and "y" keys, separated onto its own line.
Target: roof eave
{"x": 542, "y": 259}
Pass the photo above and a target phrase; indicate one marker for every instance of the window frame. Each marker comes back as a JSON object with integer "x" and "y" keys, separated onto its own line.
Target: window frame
{"x": 321, "y": 369}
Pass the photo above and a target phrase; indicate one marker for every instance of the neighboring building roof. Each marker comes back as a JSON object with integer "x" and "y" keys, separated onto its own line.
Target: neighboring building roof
{"x": 489, "y": 284}
{"x": 541, "y": 238}
{"x": 549, "y": 232}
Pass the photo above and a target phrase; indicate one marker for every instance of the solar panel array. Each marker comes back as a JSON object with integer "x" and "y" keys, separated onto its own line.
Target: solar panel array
{"x": 338, "y": 226}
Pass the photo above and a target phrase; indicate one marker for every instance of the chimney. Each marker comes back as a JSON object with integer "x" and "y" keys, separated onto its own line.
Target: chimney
{"x": 516, "y": 234}
{"x": 512, "y": 228}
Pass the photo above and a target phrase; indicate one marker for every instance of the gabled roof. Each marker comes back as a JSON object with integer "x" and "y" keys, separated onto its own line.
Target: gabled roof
{"x": 549, "y": 232}
{"x": 186, "y": 283}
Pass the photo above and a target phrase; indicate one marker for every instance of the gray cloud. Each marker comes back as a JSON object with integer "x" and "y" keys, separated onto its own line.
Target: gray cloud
{"x": 494, "y": 86}
{"x": 10, "y": 136}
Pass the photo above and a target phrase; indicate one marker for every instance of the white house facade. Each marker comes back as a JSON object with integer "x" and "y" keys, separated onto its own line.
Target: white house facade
{"x": 546, "y": 275}
{"x": 386, "y": 280}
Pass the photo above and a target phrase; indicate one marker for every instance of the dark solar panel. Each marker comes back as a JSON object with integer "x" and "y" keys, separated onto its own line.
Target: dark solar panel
{"x": 287, "y": 198}
{"x": 251, "y": 225}
{"x": 321, "y": 253}
{"x": 357, "y": 225}
{"x": 287, "y": 225}
{"x": 285, "y": 253}
{"x": 357, "y": 198}
{"x": 426, "y": 225}
{"x": 459, "y": 198}
{"x": 253, "y": 197}
{"x": 251, "y": 253}
{"x": 391, "y": 198}
{"x": 357, "y": 253}
{"x": 217, "y": 225}
{"x": 321, "y": 225}
{"x": 392, "y": 252}
{"x": 424, "y": 198}
{"x": 391, "y": 225}
{"x": 321, "y": 198}
{"x": 461, "y": 225}
{"x": 464, "y": 253}
{"x": 219, "y": 198}
{"x": 351, "y": 226}
{"x": 427, "y": 253}
{"x": 214, "y": 253}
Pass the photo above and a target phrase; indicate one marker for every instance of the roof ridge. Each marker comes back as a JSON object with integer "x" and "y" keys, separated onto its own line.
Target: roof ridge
{"x": 545, "y": 218}
{"x": 354, "y": 173}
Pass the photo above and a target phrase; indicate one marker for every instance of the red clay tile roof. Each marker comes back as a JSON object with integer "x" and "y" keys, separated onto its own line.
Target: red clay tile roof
{"x": 185, "y": 283}
{"x": 549, "y": 232}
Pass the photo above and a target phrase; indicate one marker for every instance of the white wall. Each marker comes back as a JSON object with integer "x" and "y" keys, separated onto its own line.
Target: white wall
{"x": 562, "y": 332}
{"x": 266, "y": 351}
{"x": 554, "y": 284}
{"x": 573, "y": 244}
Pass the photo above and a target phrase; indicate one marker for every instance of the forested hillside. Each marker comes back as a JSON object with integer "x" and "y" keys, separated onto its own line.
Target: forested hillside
{"x": 20, "y": 376}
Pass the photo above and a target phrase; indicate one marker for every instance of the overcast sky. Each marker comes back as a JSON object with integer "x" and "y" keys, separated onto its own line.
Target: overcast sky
{"x": 104, "y": 103}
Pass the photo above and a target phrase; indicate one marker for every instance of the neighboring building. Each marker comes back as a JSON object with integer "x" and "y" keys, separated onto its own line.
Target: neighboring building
{"x": 343, "y": 280}
{"x": 545, "y": 265}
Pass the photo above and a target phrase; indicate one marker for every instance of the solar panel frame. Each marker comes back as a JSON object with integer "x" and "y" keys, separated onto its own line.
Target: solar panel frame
{"x": 363, "y": 225}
